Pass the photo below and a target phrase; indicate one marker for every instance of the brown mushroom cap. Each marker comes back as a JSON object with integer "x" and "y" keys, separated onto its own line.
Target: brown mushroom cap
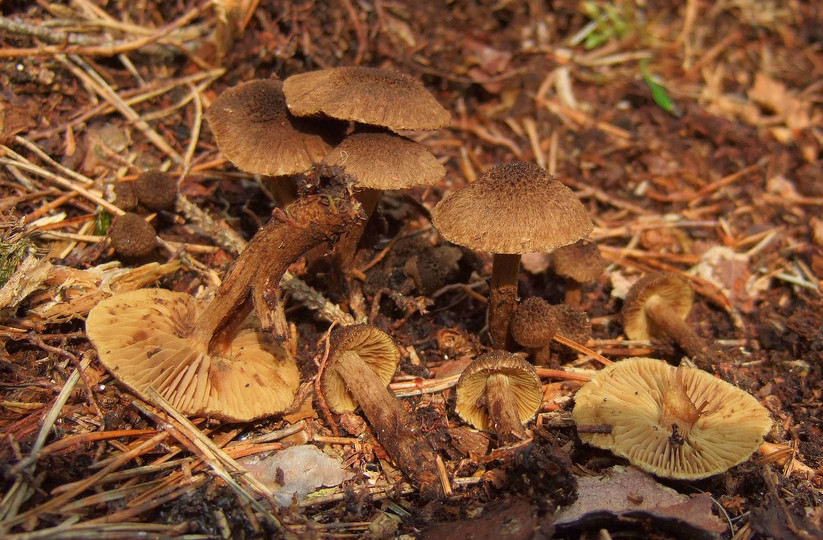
{"x": 367, "y": 95}
{"x": 534, "y": 323}
{"x": 156, "y": 190}
{"x": 131, "y": 236}
{"x": 669, "y": 288}
{"x": 382, "y": 160}
{"x": 142, "y": 338}
{"x": 673, "y": 422}
{"x": 255, "y": 131}
{"x": 514, "y": 208}
{"x": 580, "y": 261}
{"x": 375, "y": 348}
{"x": 522, "y": 380}
{"x": 124, "y": 196}
{"x": 573, "y": 323}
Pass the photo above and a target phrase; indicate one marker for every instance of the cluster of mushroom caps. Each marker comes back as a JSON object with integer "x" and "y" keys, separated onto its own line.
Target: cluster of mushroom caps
{"x": 216, "y": 360}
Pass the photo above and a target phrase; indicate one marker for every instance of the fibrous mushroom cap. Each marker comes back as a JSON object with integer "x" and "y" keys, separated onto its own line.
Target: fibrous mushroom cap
{"x": 514, "y": 208}
{"x": 367, "y": 95}
{"x": 255, "y": 131}
{"x": 131, "y": 236}
{"x": 643, "y": 399}
{"x": 142, "y": 338}
{"x": 580, "y": 261}
{"x": 382, "y": 160}
{"x": 534, "y": 323}
{"x": 572, "y": 323}
{"x": 375, "y": 347}
{"x": 671, "y": 289}
{"x": 156, "y": 190}
{"x": 522, "y": 380}
{"x": 124, "y": 196}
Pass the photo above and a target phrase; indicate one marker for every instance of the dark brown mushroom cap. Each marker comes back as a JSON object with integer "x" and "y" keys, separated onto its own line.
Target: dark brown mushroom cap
{"x": 142, "y": 338}
{"x": 673, "y": 422}
{"x": 514, "y": 208}
{"x": 131, "y": 236}
{"x": 375, "y": 348}
{"x": 580, "y": 261}
{"x": 156, "y": 190}
{"x": 382, "y": 160}
{"x": 672, "y": 289}
{"x": 522, "y": 380}
{"x": 124, "y": 196}
{"x": 573, "y": 323}
{"x": 255, "y": 131}
{"x": 367, "y": 95}
{"x": 534, "y": 323}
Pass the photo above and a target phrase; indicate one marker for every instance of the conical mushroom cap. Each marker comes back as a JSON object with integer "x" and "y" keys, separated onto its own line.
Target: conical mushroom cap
{"x": 580, "y": 261}
{"x": 673, "y": 422}
{"x": 141, "y": 338}
{"x": 367, "y": 95}
{"x": 514, "y": 208}
{"x": 376, "y": 348}
{"x": 382, "y": 160}
{"x": 672, "y": 289}
{"x": 522, "y": 380}
{"x": 255, "y": 131}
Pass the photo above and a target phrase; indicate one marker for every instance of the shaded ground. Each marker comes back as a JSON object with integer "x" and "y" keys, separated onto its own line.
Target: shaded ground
{"x": 729, "y": 157}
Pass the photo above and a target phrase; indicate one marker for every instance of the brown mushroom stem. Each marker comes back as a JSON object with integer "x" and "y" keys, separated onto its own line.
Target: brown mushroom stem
{"x": 502, "y": 409}
{"x": 393, "y": 427}
{"x": 574, "y": 292}
{"x": 346, "y": 248}
{"x": 502, "y": 297}
{"x": 669, "y": 322}
{"x": 254, "y": 278}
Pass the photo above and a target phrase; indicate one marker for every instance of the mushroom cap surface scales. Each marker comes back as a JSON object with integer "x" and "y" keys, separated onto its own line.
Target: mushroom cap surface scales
{"x": 580, "y": 261}
{"x": 256, "y": 132}
{"x": 671, "y": 289}
{"x": 522, "y": 380}
{"x": 368, "y": 95}
{"x": 382, "y": 160}
{"x": 514, "y": 208}
{"x": 534, "y": 323}
{"x": 376, "y": 348}
{"x": 673, "y": 422}
{"x": 142, "y": 338}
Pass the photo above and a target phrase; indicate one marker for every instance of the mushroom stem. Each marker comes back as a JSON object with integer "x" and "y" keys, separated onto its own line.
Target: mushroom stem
{"x": 669, "y": 322}
{"x": 393, "y": 427}
{"x": 502, "y": 408}
{"x": 346, "y": 248}
{"x": 255, "y": 277}
{"x": 574, "y": 292}
{"x": 502, "y": 297}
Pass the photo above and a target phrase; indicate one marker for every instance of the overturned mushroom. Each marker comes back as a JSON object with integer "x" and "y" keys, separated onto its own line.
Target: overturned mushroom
{"x": 499, "y": 392}
{"x": 674, "y": 422}
{"x": 362, "y": 361}
{"x": 510, "y": 210}
{"x": 145, "y": 338}
{"x": 657, "y": 305}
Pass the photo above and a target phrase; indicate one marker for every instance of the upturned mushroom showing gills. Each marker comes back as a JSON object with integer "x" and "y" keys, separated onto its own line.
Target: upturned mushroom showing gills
{"x": 362, "y": 361}
{"x": 673, "y": 422}
{"x": 510, "y": 210}
{"x": 499, "y": 392}
{"x": 145, "y": 339}
{"x": 656, "y": 306}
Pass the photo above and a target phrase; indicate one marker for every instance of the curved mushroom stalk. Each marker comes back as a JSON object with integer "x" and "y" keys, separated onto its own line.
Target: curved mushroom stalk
{"x": 657, "y": 305}
{"x": 499, "y": 392}
{"x": 254, "y": 279}
{"x": 362, "y": 361}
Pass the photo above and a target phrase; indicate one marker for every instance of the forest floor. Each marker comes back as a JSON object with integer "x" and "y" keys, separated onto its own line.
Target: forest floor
{"x": 692, "y": 134}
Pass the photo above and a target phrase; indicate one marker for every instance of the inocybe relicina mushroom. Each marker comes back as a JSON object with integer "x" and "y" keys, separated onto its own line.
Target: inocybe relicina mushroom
{"x": 673, "y": 422}
{"x": 510, "y": 210}
{"x": 578, "y": 263}
{"x": 656, "y": 306}
{"x": 362, "y": 361}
